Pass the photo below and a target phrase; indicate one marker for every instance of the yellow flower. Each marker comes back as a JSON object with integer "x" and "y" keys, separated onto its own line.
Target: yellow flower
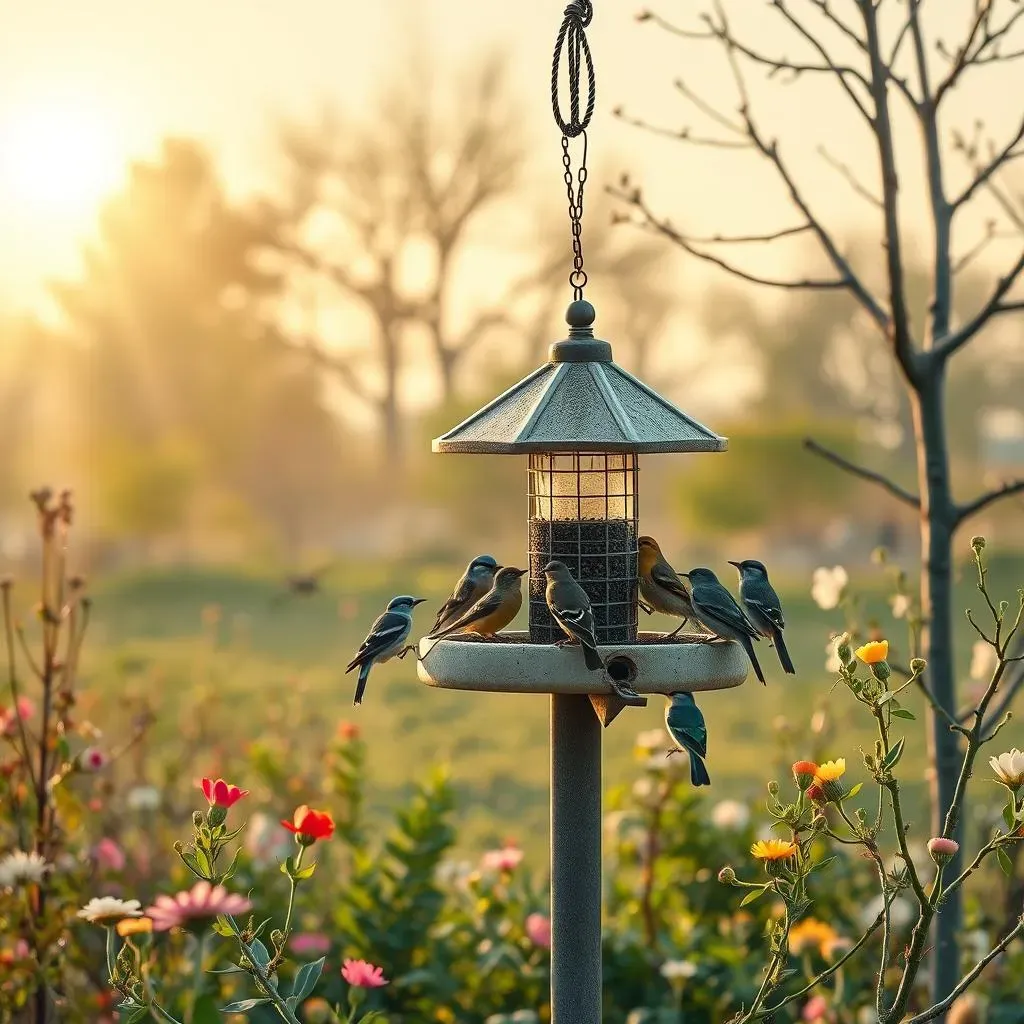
{"x": 773, "y": 849}
{"x": 831, "y": 770}
{"x": 874, "y": 652}
{"x": 134, "y": 926}
{"x": 812, "y": 934}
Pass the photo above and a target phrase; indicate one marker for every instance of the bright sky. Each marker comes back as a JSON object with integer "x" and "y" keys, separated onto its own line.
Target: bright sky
{"x": 84, "y": 86}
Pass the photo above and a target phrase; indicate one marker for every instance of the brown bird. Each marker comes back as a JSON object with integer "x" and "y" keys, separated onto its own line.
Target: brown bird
{"x": 495, "y": 610}
{"x": 660, "y": 585}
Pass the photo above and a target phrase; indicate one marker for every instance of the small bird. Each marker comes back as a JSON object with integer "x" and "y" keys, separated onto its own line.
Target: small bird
{"x": 385, "y": 640}
{"x": 495, "y": 610}
{"x": 763, "y": 607}
{"x": 686, "y": 726}
{"x": 475, "y": 582}
{"x": 660, "y": 586}
{"x": 302, "y": 584}
{"x": 570, "y": 606}
{"x": 718, "y": 610}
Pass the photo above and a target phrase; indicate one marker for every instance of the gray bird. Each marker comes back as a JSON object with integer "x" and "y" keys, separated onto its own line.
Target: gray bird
{"x": 718, "y": 610}
{"x": 660, "y": 585}
{"x": 476, "y": 581}
{"x": 570, "y": 606}
{"x": 763, "y": 607}
{"x": 386, "y": 639}
{"x": 495, "y": 610}
{"x": 686, "y": 726}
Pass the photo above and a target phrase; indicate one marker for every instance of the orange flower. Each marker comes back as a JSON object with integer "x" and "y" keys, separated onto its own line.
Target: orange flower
{"x": 134, "y": 926}
{"x": 310, "y": 825}
{"x": 812, "y": 934}
{"x": 873, "y": 652}
{"x": 773, "y": 849}
{"x": 804, "y": 773}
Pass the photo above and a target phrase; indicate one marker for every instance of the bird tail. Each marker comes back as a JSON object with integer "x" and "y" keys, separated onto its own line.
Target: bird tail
{"x": 749, "y": 648}
{"x": 698, "y": 771}
{"x": 364, "y": 674}
{"x": 592, "y": 658}
{"x": 784, "y": 659}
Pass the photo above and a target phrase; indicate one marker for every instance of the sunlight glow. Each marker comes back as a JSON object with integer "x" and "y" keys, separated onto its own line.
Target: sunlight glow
{"x": 60, "y": 159}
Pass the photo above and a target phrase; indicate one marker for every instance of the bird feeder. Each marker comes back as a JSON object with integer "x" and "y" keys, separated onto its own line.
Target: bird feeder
{"x": 582, "y": 422}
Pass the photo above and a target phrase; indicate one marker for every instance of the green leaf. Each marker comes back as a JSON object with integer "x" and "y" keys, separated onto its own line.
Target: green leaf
{"x": 856, "y": 789}
{"x": 306, "y": 872}
{"x": 903, "y": 713}
{"x": 140, "y": 1014}
{"x": 754, "y": 894}
{"x": 233, "y": 969}
{"x": 259, "y": 952}
{"x": 1004, "y": 861}
{"x": 893, "y": 757}
{"x": 244, "y": 1004}
{"x": 221, "y": 927}
{"x": 306, "y": 978}
{"x": 205, "y": 867}
{"x": 205, "y": 1011}
{"x": 231, "y": 867}
{"x": 1008, "y": 815}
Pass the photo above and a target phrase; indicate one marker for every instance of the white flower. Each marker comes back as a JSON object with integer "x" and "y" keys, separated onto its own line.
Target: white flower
{"x": 653, "y": 739}
{"x": 643, "y": 788}
{"x": 900, "y": 605}
{"x": 143, "y": 798}
{"x": 900, "y": 913}
{"x": 983, "y": 661}
{"x": 1009, "y": 767}
{"x": 730, "y": 815}
{"x": 673, "y": 969}
{"x": 827, "y": 586}
{"x": 20, "y": 867}
{"x": 107, "y": 910}
{"x": 833, "y": 663}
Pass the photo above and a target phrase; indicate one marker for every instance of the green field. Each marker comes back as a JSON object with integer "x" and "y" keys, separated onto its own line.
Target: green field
{"x": 246, "y": 672}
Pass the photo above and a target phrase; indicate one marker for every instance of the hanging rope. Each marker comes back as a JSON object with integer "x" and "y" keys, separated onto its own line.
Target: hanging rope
{"x": 572, "y": 40}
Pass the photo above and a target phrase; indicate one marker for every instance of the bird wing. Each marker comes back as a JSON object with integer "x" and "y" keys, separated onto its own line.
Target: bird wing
{"x": 718, "y": 602}
{"x": 487, "y": 605}
{"x": 462, "y": 593}
{"x": 577, "y": 622}
{"x": 768, "y": 608}
{"x": 389, "y": 629}
{"x": 665, "y": 576}
{"x": 686, "y": 723}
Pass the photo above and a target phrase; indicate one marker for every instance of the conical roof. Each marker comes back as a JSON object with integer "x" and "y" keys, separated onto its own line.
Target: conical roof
{"x": 579, "y": 401}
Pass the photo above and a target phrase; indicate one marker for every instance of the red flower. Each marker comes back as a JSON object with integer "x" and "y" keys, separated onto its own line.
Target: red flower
{"x": 310, "y": 825}
{"x": 804, "y": 772}
{"x": 360, "y": 974}
{"x": 817, "y": 794}
{"x": 222, "y": 794}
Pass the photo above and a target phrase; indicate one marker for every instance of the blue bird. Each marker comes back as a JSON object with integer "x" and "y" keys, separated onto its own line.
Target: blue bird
{"x": 686, "y": 726}
{"x": 476, "y": 581}
{"x": 763, "y": 607}
{"x": 386, "y": 639}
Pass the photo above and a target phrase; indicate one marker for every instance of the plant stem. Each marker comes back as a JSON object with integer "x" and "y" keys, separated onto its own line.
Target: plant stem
{"x": 261, "y": 977}
{"x": 291, "y": 894}
{"x": 197, "y": 977}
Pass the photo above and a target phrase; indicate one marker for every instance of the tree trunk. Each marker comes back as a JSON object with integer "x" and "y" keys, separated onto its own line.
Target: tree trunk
{"x": 937, "y": 527}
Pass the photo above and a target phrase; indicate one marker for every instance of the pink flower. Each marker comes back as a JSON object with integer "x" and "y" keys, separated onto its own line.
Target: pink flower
{"x": 109, "y": 855}
{"x": 9, "y": 720}
{"x": 196, "y": 905}
{"x": 92, "y": 759}
{"x": 310, "y": 942}
{"x": 220, "y": 793}
{"x": 507, "y": 858}
{"x": 538, "y": 930}
{"x": 816, "y": 1008}
{"x": 360, "y": 974}
{"x": 942, "y": 850}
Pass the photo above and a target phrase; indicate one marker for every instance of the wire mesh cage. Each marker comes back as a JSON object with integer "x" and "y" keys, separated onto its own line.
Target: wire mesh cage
{"x": 583, "y": 512}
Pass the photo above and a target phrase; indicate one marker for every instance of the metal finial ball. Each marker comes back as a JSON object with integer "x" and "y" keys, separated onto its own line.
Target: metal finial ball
{"x": 580, "y": 314}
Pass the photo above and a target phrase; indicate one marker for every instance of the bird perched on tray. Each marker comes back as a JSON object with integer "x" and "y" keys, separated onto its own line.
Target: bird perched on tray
{"x": 386, "y": 639}
{"x": 495, "y": 610}
{"x": 686, "y": 726}
{"x": 660, "y": 585}
{"x": 475, "y": 582}
{"x": 718, "y": 610}
{"x": 763, "y": 607}
{"x": 570, "y": 606}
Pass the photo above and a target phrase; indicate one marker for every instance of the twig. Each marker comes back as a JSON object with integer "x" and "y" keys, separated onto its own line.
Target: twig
{"x": 849, "y": 177}
{"x": 974, "y": 507}
{"x": 1004, "y": 156}
{"x": 684, "y": 134}
{"x": 865, "y": 474}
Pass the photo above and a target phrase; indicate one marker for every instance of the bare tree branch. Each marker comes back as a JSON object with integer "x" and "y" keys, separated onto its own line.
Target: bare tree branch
{"x": 993, "y": 307}
{"x": 861, "y": 471}
{"x": 972, "y": 508}
{"x": 675, "y": 30}
{"x": 684, "y": 134}
{"x": 975, "y": 250}
{"x": 849, "y": 177}
{"x": 1011, "y": 688}
{"x": 985, "y": 172}
{"x": 985, "y": 41}
{"x": 705, "y": 108}
{"x": 338, "y": 366}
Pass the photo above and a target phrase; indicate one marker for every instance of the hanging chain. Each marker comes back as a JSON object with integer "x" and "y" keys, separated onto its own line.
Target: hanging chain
{"x": 572, "y": 39}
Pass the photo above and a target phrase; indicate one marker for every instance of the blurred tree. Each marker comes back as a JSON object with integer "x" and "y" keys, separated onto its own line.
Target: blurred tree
{"x": 884, "y": 65}
{"x": 179, "y": 371}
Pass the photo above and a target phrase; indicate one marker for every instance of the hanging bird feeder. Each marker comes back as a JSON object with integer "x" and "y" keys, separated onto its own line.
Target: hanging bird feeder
{"x": 582, "y": 422}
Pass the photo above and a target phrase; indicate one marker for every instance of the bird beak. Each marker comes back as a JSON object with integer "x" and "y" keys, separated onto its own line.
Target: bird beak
{"x": 731, "y": 562}
{"x": 419, "y": 600}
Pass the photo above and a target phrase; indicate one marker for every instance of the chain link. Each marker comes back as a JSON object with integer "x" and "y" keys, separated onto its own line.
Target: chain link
{"x": 572, "y": 38}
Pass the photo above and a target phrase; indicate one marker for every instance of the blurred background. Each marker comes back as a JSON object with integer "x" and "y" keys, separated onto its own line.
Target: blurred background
{"x": 254, "y": 257}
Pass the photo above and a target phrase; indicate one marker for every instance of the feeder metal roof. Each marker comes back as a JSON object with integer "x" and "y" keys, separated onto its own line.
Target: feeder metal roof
{"x": 579, "y": 401}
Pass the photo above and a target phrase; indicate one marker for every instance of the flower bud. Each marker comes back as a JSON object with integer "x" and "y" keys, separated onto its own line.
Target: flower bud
{"x": 918, "y": 665}
{"x": 727, "y": 876}
{"x": 843, "y": 648}
{"x": 277, "y": 938}
{"x": 881, "y": 671}
{"x": 803, "y": 773}
{"x": 773, "y": 788}
{"x": 978, "y": 543}
{"x": 942, "y": 850}
{"x": 217, "y": 815}
{"x": 816, "y": 793}
{"x": 179, "y": 846}
{"x": 197, "y": 819}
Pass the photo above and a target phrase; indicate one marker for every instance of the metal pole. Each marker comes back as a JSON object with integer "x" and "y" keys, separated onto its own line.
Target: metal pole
{"x": 575, "y": 861}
